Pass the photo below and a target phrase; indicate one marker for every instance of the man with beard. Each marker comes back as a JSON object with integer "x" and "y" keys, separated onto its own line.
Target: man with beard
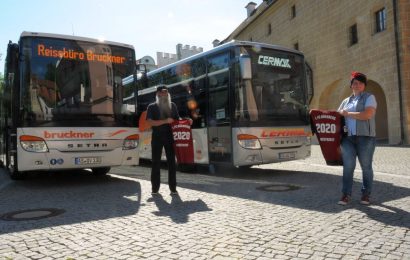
{"x": 160, "y": 115}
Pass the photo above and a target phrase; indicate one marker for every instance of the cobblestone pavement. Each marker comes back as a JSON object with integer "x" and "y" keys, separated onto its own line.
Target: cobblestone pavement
{"x": 232, "y": 214}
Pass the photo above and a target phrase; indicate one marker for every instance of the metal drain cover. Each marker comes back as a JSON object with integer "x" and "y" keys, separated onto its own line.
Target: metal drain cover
{"x": 278, "y": 187}
{"x": 31, "y": 214}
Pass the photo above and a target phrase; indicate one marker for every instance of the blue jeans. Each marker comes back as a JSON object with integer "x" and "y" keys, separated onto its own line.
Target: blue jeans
{"x": 363, "y": 148}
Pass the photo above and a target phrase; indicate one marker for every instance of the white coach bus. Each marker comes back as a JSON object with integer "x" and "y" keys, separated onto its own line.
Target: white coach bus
{"x": 248, "y": 102}
{"x": 62, "y": 105}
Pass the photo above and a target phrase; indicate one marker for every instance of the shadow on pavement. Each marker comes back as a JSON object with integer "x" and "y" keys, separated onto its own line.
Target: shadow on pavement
{"x": 83, "y": 196}
{"x": 177, "y": 209}
{"x": 318, "y": 191}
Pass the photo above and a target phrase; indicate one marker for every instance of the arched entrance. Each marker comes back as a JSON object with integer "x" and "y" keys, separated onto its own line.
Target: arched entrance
{"x": 382, "y": 130}
{"x": 330, "y": 97}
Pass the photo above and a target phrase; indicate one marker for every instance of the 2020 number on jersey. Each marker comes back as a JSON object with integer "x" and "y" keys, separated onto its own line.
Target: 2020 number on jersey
{"x": 326, "y": 128}
{"x": 182, "y": 135}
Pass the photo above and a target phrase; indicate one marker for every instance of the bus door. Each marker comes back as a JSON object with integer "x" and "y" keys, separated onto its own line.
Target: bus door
{"x": 10, "y": 107}
{"x": 219, "y": 126}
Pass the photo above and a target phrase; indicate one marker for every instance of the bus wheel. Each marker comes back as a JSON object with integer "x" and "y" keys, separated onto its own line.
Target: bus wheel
{"x": 11, "y": 166}
{"x": 186, "y": 168}
{"x": 101, "y": 171}
{"x": 15, "y": 174}
{"x": 244, "y": 167}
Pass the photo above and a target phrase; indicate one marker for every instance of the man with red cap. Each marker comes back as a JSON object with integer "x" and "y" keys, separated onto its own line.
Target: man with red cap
{"x": 359, "y": 111}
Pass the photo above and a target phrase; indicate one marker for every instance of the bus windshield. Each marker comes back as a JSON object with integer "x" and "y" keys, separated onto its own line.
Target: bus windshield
{"x": 276, "y": 94}
{"x": 68, "y": 82}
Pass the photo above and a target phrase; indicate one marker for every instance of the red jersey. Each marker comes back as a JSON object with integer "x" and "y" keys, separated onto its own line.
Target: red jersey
{"x": 327, "y": 126}
{"x": 183, "y": 143}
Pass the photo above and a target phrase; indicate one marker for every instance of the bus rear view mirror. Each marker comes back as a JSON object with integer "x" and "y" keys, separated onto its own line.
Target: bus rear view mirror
{"x": 141, "y": 68}
{"x": 245, "y": 65}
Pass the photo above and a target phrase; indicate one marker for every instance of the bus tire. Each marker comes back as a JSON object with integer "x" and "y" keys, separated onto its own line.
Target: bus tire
{"x": 11, "y": 166}
{"x": 15, "y": 174}
{"x": 244, "y": 167}
{"x": 101, "y": 171}
{"x": 190, "y": 168}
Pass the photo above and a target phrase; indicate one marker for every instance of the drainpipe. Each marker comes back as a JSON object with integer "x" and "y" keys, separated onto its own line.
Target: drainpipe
{"x": 396, "y": 37}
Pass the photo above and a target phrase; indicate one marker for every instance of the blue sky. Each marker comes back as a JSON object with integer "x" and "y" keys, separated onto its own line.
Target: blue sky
{"x": 149, "y": 26}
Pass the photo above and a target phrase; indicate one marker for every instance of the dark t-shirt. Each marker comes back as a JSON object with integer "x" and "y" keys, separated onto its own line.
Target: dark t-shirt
{"x": 153, "y": 113}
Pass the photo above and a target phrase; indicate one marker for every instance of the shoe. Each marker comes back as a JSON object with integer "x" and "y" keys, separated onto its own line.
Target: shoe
{"x": 174, "y": 192}
{"x": 365, "y": 200}
{"x": 344, "y": 200}
{"x": 155, "y": 193}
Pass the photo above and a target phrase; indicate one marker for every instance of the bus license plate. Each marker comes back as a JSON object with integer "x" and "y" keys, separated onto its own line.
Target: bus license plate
{"x": 287, "y": 155}
{"x": 87, "y": 160}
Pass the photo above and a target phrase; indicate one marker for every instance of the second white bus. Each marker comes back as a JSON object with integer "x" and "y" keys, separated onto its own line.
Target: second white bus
{"x": 248, "y": 102}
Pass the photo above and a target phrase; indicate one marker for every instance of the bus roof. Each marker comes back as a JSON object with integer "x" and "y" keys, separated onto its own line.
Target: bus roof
{"x": 222, "y": 47}
{"x": 72, "y": 37}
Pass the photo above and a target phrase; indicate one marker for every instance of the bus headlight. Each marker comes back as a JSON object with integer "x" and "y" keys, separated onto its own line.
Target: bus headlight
{"x": 249, "y": 141}
{"x": 33, "y": 144}
{"x": 131, "y": 142}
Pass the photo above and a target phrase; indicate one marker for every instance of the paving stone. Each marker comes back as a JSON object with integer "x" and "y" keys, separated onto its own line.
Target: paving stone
{"x": 219, "y": 216}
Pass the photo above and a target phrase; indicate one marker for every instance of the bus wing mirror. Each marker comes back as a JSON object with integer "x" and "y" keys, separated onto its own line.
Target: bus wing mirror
{"x": 141, "y": 68}
{"x": 245, "y": 66}
{"x": 141, "y": 73}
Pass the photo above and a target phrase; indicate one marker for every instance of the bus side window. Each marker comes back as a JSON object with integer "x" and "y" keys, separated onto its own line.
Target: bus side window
{"x": 179, "y": 97}
{"x": 144, "y": 101}
{"x": 218, "y": 97}
{"x": 198, "y": 111}
{"x": 218, "y": 80}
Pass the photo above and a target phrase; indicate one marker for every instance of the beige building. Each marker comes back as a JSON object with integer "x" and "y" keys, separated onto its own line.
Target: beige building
{"x": 337, "y": 37}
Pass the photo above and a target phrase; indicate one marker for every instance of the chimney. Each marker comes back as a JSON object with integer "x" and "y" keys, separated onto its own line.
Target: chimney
{"x": 250, "y": 7}
{"x": 216, "y": 43}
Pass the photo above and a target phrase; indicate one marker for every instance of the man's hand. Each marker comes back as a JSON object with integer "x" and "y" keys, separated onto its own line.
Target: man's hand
{"x": 169, "y": 120}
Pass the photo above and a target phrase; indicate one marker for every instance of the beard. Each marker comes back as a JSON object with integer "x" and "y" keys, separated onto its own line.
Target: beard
{"x": 164, "y": 104}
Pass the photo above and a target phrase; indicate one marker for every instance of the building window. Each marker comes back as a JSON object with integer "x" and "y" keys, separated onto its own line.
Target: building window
{"x": 380, "y": 20}
{"x": 269, "y": 29}
{"x": 353, "y": 34}
{"x": 293, "y": 11}
{"x": 296, "y": 46}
